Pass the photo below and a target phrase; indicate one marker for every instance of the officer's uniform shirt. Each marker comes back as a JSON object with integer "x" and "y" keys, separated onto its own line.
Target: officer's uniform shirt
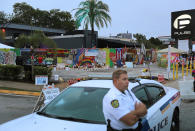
{"x": 117, "y": 104}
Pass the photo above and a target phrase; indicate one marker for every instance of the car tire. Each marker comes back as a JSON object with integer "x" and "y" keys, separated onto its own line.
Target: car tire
{"x": 175, "y": 121}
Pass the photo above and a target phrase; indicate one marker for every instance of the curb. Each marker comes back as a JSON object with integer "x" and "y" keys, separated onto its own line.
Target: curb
{"x": 20, "y": 92}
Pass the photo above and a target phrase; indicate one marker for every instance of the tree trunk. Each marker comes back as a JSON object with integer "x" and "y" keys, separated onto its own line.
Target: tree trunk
{"x": 92, "y": 35}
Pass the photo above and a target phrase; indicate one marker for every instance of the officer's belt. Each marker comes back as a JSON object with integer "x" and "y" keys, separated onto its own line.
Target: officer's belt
{"x": 109, "y": 128}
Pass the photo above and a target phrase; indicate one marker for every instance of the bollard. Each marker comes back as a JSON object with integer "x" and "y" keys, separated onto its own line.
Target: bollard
{"x": 194, "y": 64}
{"x": 176, "y": 70}
{"x": 173, "y": 71}
{"x": 182, "y": 69}
{"x": 190, "y": 66}
{"x": 187, "y": 68}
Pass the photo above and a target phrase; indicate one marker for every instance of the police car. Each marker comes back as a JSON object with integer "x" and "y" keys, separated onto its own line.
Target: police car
{"x": 79, "y": 108}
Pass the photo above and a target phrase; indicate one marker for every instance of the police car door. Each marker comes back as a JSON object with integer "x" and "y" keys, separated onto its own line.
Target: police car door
{"x": 151, "y": 95}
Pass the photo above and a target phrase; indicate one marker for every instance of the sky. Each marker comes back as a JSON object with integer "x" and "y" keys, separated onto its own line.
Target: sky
{"x": 151, "y": 18}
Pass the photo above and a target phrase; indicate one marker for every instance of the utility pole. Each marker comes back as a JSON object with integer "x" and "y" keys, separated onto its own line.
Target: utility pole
{"x": 32, "y": 61}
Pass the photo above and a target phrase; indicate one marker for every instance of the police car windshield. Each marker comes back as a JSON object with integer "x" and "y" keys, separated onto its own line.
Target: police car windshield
{"x": 80, "y": 103}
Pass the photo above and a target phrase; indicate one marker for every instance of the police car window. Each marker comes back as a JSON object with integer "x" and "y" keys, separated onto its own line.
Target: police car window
{"x": 155, "y": 92}
{"x": 79, "y": 103}
{"x": 142, "y": 96}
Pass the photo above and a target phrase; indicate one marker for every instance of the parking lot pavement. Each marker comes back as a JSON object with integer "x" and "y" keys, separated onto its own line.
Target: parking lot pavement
{"x": 186, "y": 88}
{"x": 187, "y": 116}
{"x": 13, "y": 106}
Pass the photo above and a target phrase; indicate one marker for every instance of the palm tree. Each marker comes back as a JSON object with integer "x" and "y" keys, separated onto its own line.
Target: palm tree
{"x": 93, "y": 12}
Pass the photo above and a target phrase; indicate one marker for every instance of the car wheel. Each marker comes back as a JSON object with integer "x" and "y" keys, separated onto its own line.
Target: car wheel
{"x": 175, "y": 121}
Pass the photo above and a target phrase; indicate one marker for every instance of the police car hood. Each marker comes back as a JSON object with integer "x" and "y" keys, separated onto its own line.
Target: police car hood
{"x": 34, "y": 122}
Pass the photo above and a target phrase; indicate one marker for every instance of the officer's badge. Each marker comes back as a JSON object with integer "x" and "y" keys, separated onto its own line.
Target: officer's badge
{"x": 115, "y": 103}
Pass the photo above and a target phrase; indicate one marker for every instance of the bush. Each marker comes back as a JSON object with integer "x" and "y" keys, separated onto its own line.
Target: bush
{"x": 28, "y": 75}
{"x": 39, "y": 70}
{"x": 10, "y": 72}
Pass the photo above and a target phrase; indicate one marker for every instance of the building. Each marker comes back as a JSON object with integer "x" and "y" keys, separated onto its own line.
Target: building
{"x": 69, "y": 40}
{"x": 166, "y": 40}
{"x": 77, "y": 39}
{"x": 104, "y": 42}
{"x": 12, "y": 31}
{"x": 123, "y": 35}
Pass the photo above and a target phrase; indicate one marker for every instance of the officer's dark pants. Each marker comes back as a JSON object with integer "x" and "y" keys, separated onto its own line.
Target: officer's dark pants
{"x": 109, "y": 128}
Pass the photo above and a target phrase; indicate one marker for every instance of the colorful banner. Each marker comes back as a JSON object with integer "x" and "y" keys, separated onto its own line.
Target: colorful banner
{"x": 91, "y": 52}
{"x": 107, "y": 50}
{"x": 174, "y": 57}
{"x": 80, "y": 55}
{"x": 87, "y": 61}
{"x": 105, "y": 56}
{"x": 7, "y": 57}
{"x": 101, "y": 57}
{"x": 59, "y": 59}
{"x": 112, "y": 57}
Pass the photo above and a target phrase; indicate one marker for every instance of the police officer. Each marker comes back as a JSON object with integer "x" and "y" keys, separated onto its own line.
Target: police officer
{"x": 122, "y": 110}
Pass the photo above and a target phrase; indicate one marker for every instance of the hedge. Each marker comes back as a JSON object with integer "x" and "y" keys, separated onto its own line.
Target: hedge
{"x": 10, "y": 72}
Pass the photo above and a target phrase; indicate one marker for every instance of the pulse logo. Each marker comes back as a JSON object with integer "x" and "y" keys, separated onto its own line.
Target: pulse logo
{"x": 182, "y": 21}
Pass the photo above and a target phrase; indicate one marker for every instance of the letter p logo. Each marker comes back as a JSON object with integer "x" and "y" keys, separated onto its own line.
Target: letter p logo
{"x": 182, "y": 21}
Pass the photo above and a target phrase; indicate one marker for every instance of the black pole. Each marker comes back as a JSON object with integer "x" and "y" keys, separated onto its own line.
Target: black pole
{"x": 194, "y": 84}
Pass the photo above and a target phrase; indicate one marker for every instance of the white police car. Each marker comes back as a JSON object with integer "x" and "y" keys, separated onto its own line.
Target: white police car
{"x": 79, "y": 108}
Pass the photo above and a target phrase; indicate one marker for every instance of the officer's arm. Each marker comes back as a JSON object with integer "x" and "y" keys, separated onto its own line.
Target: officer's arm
{"x": 130, "y": 118}
{"x": 140, "y": 109}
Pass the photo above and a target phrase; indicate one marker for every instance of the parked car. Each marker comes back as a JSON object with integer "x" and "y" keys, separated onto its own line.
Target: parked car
{"x": 79, "y": 108}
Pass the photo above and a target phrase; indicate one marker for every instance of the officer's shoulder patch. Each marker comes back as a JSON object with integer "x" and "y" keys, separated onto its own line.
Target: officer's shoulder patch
{"x": 115, "y": 103}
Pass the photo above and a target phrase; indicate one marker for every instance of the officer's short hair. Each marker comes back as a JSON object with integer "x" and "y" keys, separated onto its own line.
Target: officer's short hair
{"x": 116, "y": 74}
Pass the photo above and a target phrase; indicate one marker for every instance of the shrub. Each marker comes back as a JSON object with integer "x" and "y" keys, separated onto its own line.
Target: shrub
{"x": 39, "y": 70}
{"x": 10, "y": 72}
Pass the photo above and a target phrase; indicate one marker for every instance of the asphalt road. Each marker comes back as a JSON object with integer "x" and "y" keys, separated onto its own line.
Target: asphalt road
{"x": 12, "y": 107}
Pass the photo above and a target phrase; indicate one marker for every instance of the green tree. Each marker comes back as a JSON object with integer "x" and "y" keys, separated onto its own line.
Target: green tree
{"x": 23, "y": 13}
{"x": 151, "y": 43}
{"x": 92, "y": 12}
{"x": 3, "y": 17}
{"x": 26, "y": 14}
{"x": 61, "y": 20}
{"x": 37, "y": 39}
{"x": 156, "y": 43}
{"x": 41, "y": 18}
{"x": 49, "y": 43}
{"x": 140, "y": 38}
{"x": 22, "y": 41}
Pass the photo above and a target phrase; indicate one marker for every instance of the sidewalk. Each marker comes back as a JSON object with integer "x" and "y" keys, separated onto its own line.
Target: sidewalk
{"x": 186, "y": 88}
